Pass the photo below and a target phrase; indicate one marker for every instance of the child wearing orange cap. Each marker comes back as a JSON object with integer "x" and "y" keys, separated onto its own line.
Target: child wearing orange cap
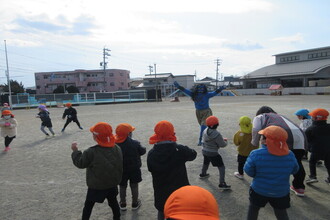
{"x": 191, "y": 203}
{"x": 242, "y": 139}
{"x": 8, "y": 126}
{"x": 166, "y": 162}
{"x": 70, "y": 114}
{"x": 270, "y": 166}
{"x": 104, "y": 164}
{"x": 212, "y": 141}
{"x": 132, "y": 152}
{"x": 318, "y": 138}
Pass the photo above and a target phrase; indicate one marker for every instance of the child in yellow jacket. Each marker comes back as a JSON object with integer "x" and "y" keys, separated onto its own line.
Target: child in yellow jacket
{"x": 242, "y": 139}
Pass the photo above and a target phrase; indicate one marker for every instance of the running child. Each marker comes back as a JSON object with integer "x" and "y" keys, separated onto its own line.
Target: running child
{"x": 70, "y": 114}
{"x": 242, "y": 139}
{"x": 132, "y": 152}
{"x": 318, "y": 139}
{"x": 166, "y": 162}
{"x": 104, "y": 168}
{"x": 212, "y": 141}
{"x": 45, "y": 120}
{"x": 200, "y": 96}
{"x": 270, "y": 167}
{"x": 8, "y": 126}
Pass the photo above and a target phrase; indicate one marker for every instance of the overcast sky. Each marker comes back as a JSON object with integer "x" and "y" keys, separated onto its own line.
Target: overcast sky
{"x": 179, "y": 36}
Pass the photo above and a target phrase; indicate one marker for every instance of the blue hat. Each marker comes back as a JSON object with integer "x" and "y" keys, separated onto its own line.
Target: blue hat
{"x": 303, "y": 112}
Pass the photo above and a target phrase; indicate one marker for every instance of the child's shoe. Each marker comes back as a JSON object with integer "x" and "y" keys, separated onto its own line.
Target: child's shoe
{"x": 48, "y": 136}
{"x": 327, "y": 180}
{"x": 203, "y": 176}
{"x": 224, "y": 186}
{"x": 62, "y": 130}
{"x": 6, "y": 149}
{"x": 298, "y": 192}
{"x": 239, "y": 176}
{"x": 136, "y": 205}
{"x": 80, "y": 128}
{"x": 122, "y": 206}
{"x": 311, "y": 180}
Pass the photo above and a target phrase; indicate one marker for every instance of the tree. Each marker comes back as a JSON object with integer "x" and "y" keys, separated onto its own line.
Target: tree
{"x": 15, "y": 87}
{"x": 72, "y": 89}
{"x": 59, "y": 89}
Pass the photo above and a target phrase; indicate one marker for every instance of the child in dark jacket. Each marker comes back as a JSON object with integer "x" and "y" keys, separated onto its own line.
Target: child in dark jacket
{"x": 45, "y": 120}
{"x": 104, "y": 163}
{"x": 318, "y": 138}
{"x": 270, "y": 167}
{"x": 242, "y": 139}
{"x": 71, "y": 115}
{"x": 212, "y": 141}
{"x": 132, "y": 152}
{"x": 166, "y": 162}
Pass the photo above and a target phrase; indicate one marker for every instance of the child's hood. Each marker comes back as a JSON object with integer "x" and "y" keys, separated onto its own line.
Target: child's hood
{"x": 210, "y": 134}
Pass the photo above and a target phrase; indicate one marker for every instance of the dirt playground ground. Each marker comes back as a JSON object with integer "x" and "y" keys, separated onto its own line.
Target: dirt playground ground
{"x": 39, "y": 182}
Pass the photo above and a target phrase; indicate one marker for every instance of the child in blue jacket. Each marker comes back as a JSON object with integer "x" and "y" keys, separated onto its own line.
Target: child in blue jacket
{"x": 271, "y": 167}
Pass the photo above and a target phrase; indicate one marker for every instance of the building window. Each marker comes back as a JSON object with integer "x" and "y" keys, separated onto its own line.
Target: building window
{"x": 45, "y": 77}
{"x": 121, "y": 74}
{"x": 87, "y": 75}
{"x": 119, "y": 88}
{"x": 110, "y": 74}
{"x": 282, "y": 60}
{"x": 38, "y": 87}
{"x": 121, "y": 83}
{"x": 112, "y": 84}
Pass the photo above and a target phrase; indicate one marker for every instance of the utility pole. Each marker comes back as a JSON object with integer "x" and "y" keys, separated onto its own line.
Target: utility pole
{"x": 8, "y": 79}
{"x": 104, "y": 64}
{"x": 218, "y": 62}
{"x": 150, "y": 69}
{"x": 156, "y": 82}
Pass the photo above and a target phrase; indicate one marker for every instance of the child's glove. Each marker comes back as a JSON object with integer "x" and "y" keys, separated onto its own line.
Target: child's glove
{"x": 74, "y": 146}
{"x": 7, "y": 124}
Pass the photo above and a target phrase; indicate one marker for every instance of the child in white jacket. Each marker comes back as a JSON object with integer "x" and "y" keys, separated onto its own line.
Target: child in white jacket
{"x": 8, "y": 126}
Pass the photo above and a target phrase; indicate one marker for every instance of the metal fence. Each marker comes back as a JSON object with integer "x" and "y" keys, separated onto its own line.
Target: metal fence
{"x": 22, "y": 100}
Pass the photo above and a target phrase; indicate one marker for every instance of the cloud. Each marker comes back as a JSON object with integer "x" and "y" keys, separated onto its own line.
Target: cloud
{"x": 246, "y": 46}
{"x": 297, "y": 38}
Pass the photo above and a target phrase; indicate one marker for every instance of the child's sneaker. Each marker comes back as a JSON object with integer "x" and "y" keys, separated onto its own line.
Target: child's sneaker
{"x": 311, "y": 179}
{"x": 6, "y": 149}
{"x": 298, "y": 192}
{"x": 81, "y": 128}
{"x": 224, "y": 186}
{"x": 136, "y": 205}
{"x": 122, "y": 206}
{"x": 203, "y": 176}
{"x": 62, "y": 130}
{"x": 239, "y": 176}
{"x": 47, "y": 136}
{"x": 327, "y": 180}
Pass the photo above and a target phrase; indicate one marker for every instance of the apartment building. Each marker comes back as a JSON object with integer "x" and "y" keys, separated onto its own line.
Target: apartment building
{"x": 85, "y": 80}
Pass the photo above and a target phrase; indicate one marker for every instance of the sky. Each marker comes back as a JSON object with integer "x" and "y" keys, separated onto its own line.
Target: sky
{"x": 175, "y": 36}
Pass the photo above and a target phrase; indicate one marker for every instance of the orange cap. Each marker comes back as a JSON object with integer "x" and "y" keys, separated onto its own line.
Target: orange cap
{"x": 68, "y": 104}
{"x": 103, "y": 134}
{"x": 122, "y": 132}
{"x": 319, "y": 114}
{"x": 164, "y": 131}
{"x": 6, "y": 112}
{"x": 276, "y": 140}
{"x": 193, "y": 203}
{"x": 211, "y": 121}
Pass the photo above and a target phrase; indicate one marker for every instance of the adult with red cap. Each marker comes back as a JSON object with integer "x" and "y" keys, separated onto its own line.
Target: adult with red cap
{"x": 104, "y": 168}
{"x": 70, "y": 114}
{"x": 166, "y": 162}
{"x": 8, "y": 126}
{"x": 318, "y": 138}
{"x": 132, "y": 151}
{"x": 270, "y": 167}
{"x": 191, "y": 203}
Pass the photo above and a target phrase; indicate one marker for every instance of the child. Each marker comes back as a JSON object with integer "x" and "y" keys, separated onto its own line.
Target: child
{"x": 45, "y": 120}
{"x": 71, "y": 114}
{"x": 306, "y": 121}
{"x": 132, "y": 152}
{"x": 104, "y": 163}
{"x": 318, "y": 138}
{"x": 166, "y": 162}
{"x": 242, "y": 139}
{"x": 270, "y": 167}
{"x": 200, "y": 96}
{"x": 212, "y": 141}
{"x": 8, "y": 126}
{"x": 5, "y": 107}
{"x": 191, "y": 202}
